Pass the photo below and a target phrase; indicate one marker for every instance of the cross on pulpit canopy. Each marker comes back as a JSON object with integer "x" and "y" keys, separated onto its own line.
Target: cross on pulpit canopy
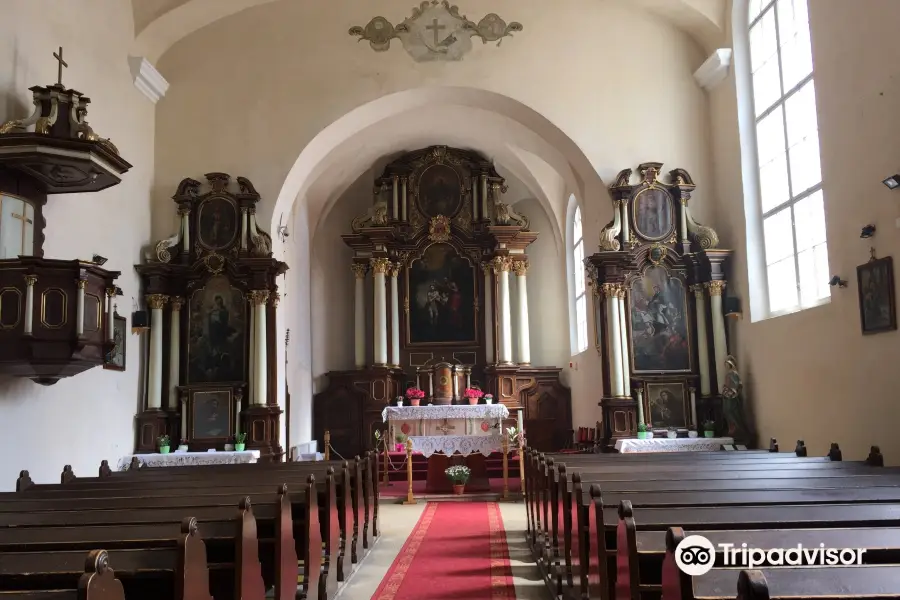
{"x": 62, "y": 63}
{"x": 18, "y": 239}
{"x": 436, "y": 28}
{"x": 446, "y": 428}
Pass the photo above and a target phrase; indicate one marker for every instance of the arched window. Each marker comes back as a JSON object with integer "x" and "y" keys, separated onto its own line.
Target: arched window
{"x": 780, "y": 141}
{"x": 580, "y": 295}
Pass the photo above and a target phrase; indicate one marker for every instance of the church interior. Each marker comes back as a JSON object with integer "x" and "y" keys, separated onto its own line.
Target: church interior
{"x": 436, "y": 295}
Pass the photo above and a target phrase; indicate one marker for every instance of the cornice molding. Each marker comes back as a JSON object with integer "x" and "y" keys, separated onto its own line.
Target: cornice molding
{"x": 147, "y": 79}
{"x": 714, "y": 70}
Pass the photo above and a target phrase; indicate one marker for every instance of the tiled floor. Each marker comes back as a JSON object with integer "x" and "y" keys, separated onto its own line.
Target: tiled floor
{"x": 397, "y": 522}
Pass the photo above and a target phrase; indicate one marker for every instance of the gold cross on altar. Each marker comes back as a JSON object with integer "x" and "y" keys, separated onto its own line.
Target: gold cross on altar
{"x": 437, "y": 28}
{"x": 445, "y": 428}
{"x": 62, "y": 63}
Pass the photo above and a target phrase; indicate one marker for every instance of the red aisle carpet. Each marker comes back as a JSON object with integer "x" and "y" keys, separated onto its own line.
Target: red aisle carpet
{"x": 457, "y": 551}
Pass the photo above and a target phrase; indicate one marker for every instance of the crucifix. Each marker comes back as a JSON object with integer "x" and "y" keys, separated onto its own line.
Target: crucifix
{"x": 436, "y": 28}
{"x": 25, "y": 223}
{"x": 446, "y": 428}
{"x": 62, "y": 63}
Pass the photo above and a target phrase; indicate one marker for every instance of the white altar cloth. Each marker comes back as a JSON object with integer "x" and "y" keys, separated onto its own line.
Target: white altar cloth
{"x": 465, "y": 429}
{"x": 698, "y": 444}
{"x": 189, "y": 459}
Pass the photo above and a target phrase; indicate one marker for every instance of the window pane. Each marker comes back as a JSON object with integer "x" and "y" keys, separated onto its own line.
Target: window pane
{"x": 813, "y": 265}
{"x": 766, "y": 86}
{"x": 770, "y": 142}
{"x": 805, "y": 168}
{"x": 576, "y": 227}
{"x": 782, "y": 285}
{"x": 581, "y": 322}
{"x": 801, "y": 114}
{"x": 578, "y": 258}
{"x": 796, "y": 58}
{"x": 763, "y": 43}
{"x": 755, "y": 8}
{"x": 773, "y": 183}
{"x": 779, "y": 237}
{"x": 809, "y": 221}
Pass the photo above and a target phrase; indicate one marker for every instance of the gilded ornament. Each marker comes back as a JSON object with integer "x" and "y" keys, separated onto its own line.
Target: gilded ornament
{"x": 380, "y": 265}
{"x": 32, "y": 279}
{"x": 502, "y": 264}
{"x": 110, "y": 291}
{"x": 275, "y": 299}
{"x": 697, "y": 288}
{"x": 157, "y": 301}
{"x": 520, "y": 267}
{"x": 259, "y": 297}
{"x": 657, "y": 254}
{"x": 176, "y": 302}
{"x": 359, "y": 270}
{"x": 394, "y": 270}
{"x": 487, "y": 267}
{"x": 439, "y": 229}
{"x": 715, "y": 287}
{"x": 81, "y": 283}
{"x": 609, "y": 290}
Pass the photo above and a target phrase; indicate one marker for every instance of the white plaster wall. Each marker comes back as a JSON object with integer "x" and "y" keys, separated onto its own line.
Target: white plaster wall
{"x": 812, "y": 374}
{"x": 87, "y": 418}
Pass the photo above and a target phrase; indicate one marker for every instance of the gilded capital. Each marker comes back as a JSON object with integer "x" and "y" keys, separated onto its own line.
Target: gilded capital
{"x": 715, "y": 287}
{"x": 110, "y": 292}
{"x": 697, "y": 288}
{"x": 359, "y": 270}
{"x": 81, "y": 283}
{"x": 520, "y": 266}
{"x": 487, "y": 267}
{"x": 258, "y": 297}
{"x": 394, "y": 269}
{"x": 502, "y": 264}
{"x": 177, "y": 302}
{"x": 380, "y": 265}
{"x": 184, "y": 211}
{"x": 32, "y": 279}
{"x": 157, "y": 301}
{"x": 274, "y": 299}
{"x": 609, "y": 290}
{"x": 620, "y": 293}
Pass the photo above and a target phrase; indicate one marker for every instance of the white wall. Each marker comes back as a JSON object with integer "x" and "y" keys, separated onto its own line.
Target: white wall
{"x": 89, "y": 417}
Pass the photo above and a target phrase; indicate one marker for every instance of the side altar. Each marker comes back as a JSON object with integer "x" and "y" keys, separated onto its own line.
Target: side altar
{"x": 436, "y": 257}
{"x": 441, "y": 432}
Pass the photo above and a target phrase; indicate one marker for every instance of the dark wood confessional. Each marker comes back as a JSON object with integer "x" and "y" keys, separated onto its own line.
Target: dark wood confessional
{"x": 438, "y": 222}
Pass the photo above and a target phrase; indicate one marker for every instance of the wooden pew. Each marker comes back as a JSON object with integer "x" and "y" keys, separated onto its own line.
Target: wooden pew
{"x": 96, "y": 581}
{"x": 182, "y": 569}
{"x": 232, "y": 536}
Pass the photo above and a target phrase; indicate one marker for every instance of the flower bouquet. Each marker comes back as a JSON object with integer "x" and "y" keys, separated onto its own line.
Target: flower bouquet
{"x": 473, "y": 394}
{"x": 459, "y": 475}
{"x": 414, "y": 395}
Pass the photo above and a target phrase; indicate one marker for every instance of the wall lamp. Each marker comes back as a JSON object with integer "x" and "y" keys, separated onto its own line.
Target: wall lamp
{"x": 892, "y": 182}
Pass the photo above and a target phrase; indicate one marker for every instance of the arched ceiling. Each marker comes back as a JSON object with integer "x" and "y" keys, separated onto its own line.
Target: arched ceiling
{"x": 159, "y": 24}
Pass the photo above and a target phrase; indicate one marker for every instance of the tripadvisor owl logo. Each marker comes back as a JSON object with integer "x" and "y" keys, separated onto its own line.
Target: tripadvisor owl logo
{"x": 695, "y": 555}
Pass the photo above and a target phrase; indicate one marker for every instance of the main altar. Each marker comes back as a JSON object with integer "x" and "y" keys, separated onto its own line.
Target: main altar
{"x": 440, "y": 433}
{"x": 435, "y": 260}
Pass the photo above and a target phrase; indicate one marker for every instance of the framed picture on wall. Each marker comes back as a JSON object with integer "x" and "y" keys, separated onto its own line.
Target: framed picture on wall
{"x": 877, "y": 308}
{"x": 115, "y": 359}
{"x": 666, "y": 405}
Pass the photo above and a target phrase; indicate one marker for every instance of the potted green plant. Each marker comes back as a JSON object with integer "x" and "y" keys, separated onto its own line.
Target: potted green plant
{"x": 459, "y": 475}
{"x": 164, "y": 444}
{"x": 643, "y": 429}
{"x": 239, "y": 441}
{"x": 488, "y": 399}
{"x": 400, "y": 438}
{"x": 709, "y": 429}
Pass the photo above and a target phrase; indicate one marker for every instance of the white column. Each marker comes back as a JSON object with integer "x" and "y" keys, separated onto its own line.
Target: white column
{"x": 614, "y": 344}
{"x": 395, "y": 315}
{"x": 186, "y": 229}
{"x": 640, "y": 405}
{"x": 379, "y": 268}
{"x": 184, "y": 419}
{"x": 244, "y": 228}
{"x": 359, "y": 332}
{"x": 720, "y": 348}
{"x": 520, "y": 267}
{"x": 260, "y": 297}
{"x": 174, "y": 351}
{"x": 626, "y": 233}
{"x": 487, "y": 267}
{"x": 684, "y": 229}
{"x": 110, "y": 313}
{"x": 694, "y": 407}
{"x": 79, "y": 307}
{"x": 455, "y": 383}
{"x": 404, "y": 197}
{"x": 30, "y": 280}
{"x": 154, "y": 395}
{"x": 484, "y": 197}
{"x": 251, "y": 378}
{"x": 702, "y": 339}
{"x": 623, "y": 342}
{"x": 238, "y": 408}
{"x": 475, "y": 205}
{"x": 501, "y": 266}
{"x": 395, "y": 191}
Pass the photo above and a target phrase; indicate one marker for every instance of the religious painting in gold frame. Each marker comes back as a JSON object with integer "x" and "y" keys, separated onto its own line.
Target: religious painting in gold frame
{"x": 218, "y": 222}
{"x": 211, "y": 414}
{"x": 441, "y": 288}
{"x": 665, "y": 405}
{"x": 217, "y": 327}
{"x": 653, "y": 214}
{"x": 439, "y": 191}
{"x": 660, "y": 335}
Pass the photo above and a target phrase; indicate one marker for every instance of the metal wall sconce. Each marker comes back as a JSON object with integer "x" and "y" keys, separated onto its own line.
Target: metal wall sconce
{"x": 892, "y": 182}
{"x": 837, "y": 281}
{"x": 867, "y": 232}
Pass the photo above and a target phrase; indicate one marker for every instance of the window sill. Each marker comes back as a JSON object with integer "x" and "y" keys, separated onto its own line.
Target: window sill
{"x": 796, "y": 309}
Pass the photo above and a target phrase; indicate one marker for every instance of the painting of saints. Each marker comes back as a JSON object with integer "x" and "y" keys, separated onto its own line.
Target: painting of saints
{"x": 211, "y": 415}
{"x": 217, "y": 341}
{"x": 666, "y": 405}
{"x": 218, "y": 223}
{"x": 653, "y": 214}
{"x": 439, "y": 192}
{"x": 876, "y": 295}
{"x": 441, "y": 288}
{"x": 659, "y": 323}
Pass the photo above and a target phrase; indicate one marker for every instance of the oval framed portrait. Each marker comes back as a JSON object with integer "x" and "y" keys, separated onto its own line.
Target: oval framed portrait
{"x": 440, "y": 192}
{"x": 218, "y": 223}
{"x": 653, "y": 214}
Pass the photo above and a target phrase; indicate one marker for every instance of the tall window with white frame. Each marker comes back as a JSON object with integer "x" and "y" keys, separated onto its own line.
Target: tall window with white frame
{"x": 580, "y": 292}
{"x": 787, "y": 132}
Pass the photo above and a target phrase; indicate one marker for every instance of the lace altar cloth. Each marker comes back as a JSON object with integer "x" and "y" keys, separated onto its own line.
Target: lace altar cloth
{"x": 458, "y": 411}
{"x": 697, "y": 444}
{"x": 190, "y": 459}
{"x": 464, "y": 444}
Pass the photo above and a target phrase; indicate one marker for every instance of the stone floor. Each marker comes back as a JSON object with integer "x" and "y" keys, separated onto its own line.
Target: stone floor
{"x": 397, "y": 522}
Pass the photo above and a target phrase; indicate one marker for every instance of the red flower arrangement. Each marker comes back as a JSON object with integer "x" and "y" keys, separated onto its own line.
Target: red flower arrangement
{"x": 415, "y": 392}
{"x": 473, "y": 393}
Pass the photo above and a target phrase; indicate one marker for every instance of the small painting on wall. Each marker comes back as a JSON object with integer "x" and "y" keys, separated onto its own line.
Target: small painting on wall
{"x": 666, "y": 405}
{"x": 115, "y": 359}
{"x": 877, "y": 308}
{"x": 211, "y": 415}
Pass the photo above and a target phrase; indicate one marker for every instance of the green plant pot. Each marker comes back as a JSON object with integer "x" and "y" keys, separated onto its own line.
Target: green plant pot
{"x": 239, "y": 447}
{"x": 163, "y": 449}
{"x": 709, "y": 434}
{"x": 642, "y": 435}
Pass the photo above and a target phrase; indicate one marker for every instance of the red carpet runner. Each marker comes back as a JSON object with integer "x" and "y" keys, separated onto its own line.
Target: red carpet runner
{"x": 456, "y": 551}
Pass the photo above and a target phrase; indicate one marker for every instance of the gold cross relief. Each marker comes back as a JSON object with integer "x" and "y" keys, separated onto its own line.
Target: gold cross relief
{"x": 446, "y": 428}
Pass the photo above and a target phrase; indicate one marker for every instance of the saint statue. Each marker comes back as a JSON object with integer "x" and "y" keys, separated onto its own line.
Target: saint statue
{"x": 733, "y": 403}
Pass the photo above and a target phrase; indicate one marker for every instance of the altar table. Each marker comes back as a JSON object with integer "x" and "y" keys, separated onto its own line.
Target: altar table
{"x": 664, "y": 444}
{"x": 190, "y": 459}
{"x": 448, "y": 430}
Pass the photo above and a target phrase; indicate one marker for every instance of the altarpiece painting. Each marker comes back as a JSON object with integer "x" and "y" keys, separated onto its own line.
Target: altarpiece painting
{"x": 666, "y": 403}
{"x": 218, "y": 342}
{"x": 877, "y": 310}
{"x": 659, "y": 325}
{"x": 442, "y": 298}
{"x": 440, "y": 192}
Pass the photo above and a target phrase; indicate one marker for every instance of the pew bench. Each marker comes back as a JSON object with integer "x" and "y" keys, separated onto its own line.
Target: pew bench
{"x": 95, "y": 580}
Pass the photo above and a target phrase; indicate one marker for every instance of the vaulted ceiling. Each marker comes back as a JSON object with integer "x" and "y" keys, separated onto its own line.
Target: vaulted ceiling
{"x": 158, "y": 24}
